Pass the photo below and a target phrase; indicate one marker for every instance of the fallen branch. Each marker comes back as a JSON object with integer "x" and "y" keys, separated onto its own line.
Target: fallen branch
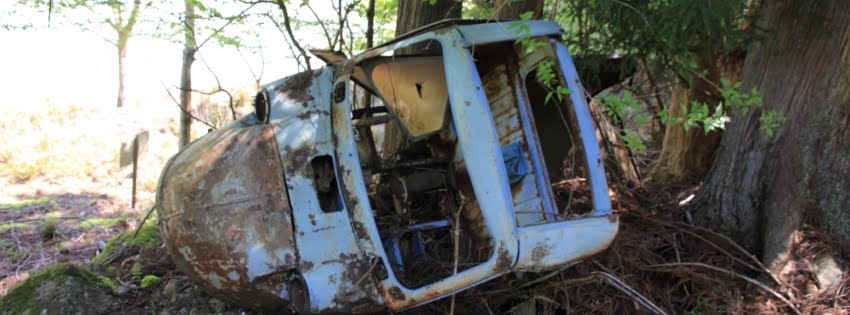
{"x": 736, "y": 275}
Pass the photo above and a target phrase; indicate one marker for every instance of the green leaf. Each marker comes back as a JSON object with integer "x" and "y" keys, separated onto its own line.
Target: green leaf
{"x": 526, "y": 16}
{"x": 634, "y": 142}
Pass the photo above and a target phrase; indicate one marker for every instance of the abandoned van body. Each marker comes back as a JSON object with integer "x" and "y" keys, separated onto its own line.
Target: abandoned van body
{"x": 301, "y": 206}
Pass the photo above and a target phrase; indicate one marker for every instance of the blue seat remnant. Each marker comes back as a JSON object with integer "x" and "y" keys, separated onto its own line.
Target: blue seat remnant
{"x": 515, "y": 164}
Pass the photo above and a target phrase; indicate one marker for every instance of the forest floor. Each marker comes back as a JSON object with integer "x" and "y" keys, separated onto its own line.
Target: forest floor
{"x": 47, "y": 219}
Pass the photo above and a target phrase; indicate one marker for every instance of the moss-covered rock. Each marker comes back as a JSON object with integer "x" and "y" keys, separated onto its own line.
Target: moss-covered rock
{"x": 60, "y": 289}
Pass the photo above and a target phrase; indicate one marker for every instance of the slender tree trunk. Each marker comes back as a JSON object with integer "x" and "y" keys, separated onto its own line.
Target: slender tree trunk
{"x": 762, "y": 188}
{"x": 122, "y": 55}
{"x": 124, "y": 33}
{"x": 189, "y": 49}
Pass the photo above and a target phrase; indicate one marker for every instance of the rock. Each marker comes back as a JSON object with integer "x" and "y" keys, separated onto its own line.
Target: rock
{"x": 827, "y": 272}
{"x": 217, "y": 305}
{"x": 170, "y": 289}
{"x": 121, "y": 290}
{"x": 60, "y": 289}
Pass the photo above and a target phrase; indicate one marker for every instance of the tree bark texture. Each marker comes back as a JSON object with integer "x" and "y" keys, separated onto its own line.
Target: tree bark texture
{"x": 762, "y": 188}
{"x": 619, "y": 165}
{"x": 189, "y": 50}
{"x": 511, "y": 10}
{"x": 413, "y": 14}
{"x": 688, "y": 154}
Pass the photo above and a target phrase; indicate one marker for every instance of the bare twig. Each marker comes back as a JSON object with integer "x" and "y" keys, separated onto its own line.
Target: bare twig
{"x": 710, "y": 243}
{"x": 736, "y": 275}
{"x": 176, "y": 102}
{"x": 287, "y": 24}
{"x": 456, "y": 250}
{"x": 295, "y": 55}
{"x": 139, "y": 227}
{"x": 218, "y": 83}
{"x": 331, "y": 40}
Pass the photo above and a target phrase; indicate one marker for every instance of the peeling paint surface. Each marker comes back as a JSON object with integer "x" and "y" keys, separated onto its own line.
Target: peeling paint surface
{"x": 278, "y": 216}
{"x": 226, "y": 215}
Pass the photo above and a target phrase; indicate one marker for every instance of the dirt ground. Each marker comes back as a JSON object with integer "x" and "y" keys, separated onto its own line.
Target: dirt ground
{"x": 678, "y": 267}
{"x": 658, "y": 256}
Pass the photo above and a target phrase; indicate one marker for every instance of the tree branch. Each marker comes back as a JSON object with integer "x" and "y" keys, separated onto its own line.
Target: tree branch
{"x": 287, "y": 24}
{"x": 176, "y": 102}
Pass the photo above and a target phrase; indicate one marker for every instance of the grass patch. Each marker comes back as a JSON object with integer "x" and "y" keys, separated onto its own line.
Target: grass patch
{"x": 101, "y": 222}
{"x": 48, "y": 229}
{"x": 26, "y": 203}
{"x": 147, "y": 237}
{"x": 9, "y": 226}
{"x": 16, "y": 256}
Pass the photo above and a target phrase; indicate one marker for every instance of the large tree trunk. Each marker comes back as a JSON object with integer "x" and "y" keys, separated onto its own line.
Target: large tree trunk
{"x": 122, "y": 55}
{"x": 413, "y": 14}
{"x": 762, "y": 188}
{"x": 511, "y": 9}
{"x": 189, "y": 49}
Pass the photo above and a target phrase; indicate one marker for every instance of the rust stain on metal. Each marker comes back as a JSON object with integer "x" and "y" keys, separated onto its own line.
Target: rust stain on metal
{"x": 301, "y": 155}
{"x": 504, "y": 259}
{"x": 238, "y": 257}
{"x": 396, "y": 294}
{"x": 297, "y": 87}
{"x": 307, "y": 114}
{"x": 539, "y": 253}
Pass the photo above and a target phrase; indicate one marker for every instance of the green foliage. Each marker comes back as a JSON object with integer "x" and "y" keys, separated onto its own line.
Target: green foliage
{"x": 693, "y": 115}
{"x": 546, "y": 75}
{"x": 770, "y": 120}
{"x": 150, "y": 281}
{"x": 106, "y": 282}
{"x": 148, "y": 236}
{"x": 136, "y": 271}
{"x": 48, "y": 229}
{"x": 663, "y": 30}
{"x": 634, "y": 142}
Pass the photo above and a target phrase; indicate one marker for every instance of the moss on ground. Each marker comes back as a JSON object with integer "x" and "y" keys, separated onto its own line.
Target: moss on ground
{"x": 15, "y": 225}
{"x": 101, "y": 222}
{"x": 61, "y": 289}
{"x": 148, "y": 236}
{"x": 150, "y": 281}
{"x": 26, "y": 203}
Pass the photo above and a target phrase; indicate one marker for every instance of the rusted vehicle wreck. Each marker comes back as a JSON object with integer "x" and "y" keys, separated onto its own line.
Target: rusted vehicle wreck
{"x": 302, "y": 206}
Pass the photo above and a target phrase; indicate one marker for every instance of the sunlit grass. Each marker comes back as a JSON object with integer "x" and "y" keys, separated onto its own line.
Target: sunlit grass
{"x": 51, "y": 139}
{"x": 26, "y": 203}
{"x": 101, "y": 222}
{"x": 15, "y": 225}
